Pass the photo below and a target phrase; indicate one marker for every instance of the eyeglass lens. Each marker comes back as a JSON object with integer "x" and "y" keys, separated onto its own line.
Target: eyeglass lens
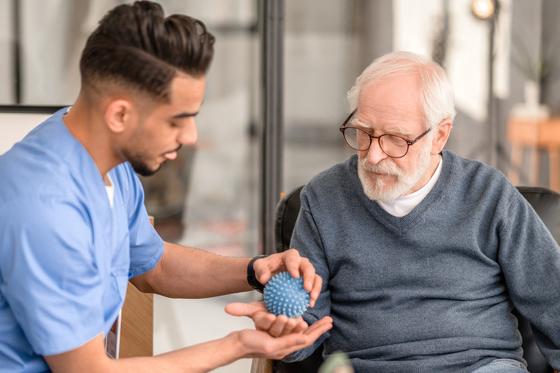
{"x": 393, "y": 146}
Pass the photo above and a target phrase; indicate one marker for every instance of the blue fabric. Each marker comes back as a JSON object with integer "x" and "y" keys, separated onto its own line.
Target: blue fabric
{"x": 430, "y": 291}
{"x": 65, "y": 255}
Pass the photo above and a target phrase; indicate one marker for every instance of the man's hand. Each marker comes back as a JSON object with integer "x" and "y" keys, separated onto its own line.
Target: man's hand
{"x": 262, "y": 345}
{"x": 203, "y": 357}
{"x": 265, "y": 321}
{"x": 297, "y": 266}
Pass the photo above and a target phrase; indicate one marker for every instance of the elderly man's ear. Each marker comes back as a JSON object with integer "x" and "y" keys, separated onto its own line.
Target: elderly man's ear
{"x": 442, "y": 134}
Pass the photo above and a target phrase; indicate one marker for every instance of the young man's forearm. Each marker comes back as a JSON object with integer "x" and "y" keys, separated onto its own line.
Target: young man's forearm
{"x": 204, "y": 357}
{"x": 194, "y": 359}
{"x": 184, "y": 272}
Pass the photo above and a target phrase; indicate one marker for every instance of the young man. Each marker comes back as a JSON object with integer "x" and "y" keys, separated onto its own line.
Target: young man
{"x": 74, "y": 230}
{"x": 423, "y": 253}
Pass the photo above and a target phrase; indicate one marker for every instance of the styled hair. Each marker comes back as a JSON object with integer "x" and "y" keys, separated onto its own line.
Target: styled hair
{"x": 137, "y": 47}
{"x": 436, "y": 95}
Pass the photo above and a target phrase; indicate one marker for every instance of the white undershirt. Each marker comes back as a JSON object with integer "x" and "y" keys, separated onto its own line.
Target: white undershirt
{"x": 110, "y": 189}
{"x": 405, "y": 204}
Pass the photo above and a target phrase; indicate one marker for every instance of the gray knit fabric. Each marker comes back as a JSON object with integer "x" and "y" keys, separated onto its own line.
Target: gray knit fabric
{"x": 431, "y": 291}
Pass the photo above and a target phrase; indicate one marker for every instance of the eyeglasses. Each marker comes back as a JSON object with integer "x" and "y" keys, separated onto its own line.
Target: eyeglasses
{"x": 392, "y": 145}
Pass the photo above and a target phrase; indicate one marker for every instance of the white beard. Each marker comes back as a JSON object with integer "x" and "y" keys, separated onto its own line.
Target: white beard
{"x": 377, "y": 189}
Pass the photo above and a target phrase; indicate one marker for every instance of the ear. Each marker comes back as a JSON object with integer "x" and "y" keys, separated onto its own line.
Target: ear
{"x": 442, "y": 134}
{"x": 119, "y": 115}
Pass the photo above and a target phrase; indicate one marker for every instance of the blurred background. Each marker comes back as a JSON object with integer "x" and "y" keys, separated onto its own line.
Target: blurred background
{"x": 502, "y": 58}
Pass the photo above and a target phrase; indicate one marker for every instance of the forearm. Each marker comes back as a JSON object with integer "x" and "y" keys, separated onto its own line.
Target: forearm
{"x": 194, "y": 359}
{"x": 91, "y": 358}
{"x": 185, "y": 272}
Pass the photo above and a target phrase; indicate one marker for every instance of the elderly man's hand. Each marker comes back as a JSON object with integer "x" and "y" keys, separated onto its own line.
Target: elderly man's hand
{"x": 296, "y": 265}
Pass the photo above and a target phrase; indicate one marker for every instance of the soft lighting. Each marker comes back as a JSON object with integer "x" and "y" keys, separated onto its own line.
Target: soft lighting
{"x": 483, "y": 9}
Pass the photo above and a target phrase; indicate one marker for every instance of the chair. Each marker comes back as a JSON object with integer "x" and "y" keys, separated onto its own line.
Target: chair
{"x": 545, "y": 202}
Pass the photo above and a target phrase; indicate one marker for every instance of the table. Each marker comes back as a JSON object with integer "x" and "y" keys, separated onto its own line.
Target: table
{"x": 535, "y": 135}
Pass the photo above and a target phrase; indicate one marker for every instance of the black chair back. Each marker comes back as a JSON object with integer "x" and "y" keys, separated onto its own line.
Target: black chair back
{"x": 545, "y": 202}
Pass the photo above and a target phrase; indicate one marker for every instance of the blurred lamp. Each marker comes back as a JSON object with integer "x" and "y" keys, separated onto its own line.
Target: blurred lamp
{"x": 483, "y": 9}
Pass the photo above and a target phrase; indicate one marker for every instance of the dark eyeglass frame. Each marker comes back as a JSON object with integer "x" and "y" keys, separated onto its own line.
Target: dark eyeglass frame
{"x": 408, "y": 142}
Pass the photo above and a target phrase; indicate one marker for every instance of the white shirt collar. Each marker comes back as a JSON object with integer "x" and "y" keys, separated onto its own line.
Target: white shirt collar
{"x": 405, "y": 204}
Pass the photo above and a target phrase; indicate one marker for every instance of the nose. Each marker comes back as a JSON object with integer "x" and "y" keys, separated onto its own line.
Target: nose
{"x": 189, "y": 134}
{"x": 375, "y": 154}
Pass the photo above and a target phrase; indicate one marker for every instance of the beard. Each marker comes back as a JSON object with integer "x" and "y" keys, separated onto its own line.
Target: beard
{"x": 139, "y": 164}
{"x": 378, "y": 189}
{"x": 141, "y": 168}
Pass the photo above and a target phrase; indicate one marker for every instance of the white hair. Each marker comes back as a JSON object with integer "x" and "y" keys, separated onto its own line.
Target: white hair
{"x": 436, "y": 94}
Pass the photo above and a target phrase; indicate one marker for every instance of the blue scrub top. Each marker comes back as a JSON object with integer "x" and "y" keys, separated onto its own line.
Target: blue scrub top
{"x": 65, "y": 255}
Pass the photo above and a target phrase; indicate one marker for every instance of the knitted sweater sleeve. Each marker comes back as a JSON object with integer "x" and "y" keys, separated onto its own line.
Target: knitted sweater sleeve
{"x": 530, "y": 261}
{"x": 306, "y": 239}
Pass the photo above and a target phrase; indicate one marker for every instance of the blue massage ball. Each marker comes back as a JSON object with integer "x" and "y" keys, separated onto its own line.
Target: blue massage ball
{"x": 285, "y": 295}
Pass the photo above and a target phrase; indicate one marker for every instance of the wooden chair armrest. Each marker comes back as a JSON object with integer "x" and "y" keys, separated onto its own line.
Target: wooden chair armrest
{"x": 262, "y": 366}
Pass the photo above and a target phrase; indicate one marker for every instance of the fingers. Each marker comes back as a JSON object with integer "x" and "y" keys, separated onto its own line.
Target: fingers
{"x": 280, "y": 324}
{"x": 300, "y": 327}
{"x": 266, "y": 346}
{"x": 255, "y": 310}
{"x": 287, "y": 344}
{"x": 264, "y": 267}
{"x": 295, "y": 264}
{"x": 291, "y": 261}
{"x": 284, "y": 326}
{"x": 276, "y": 337}
{"x": 319, "y": 327}
{"x": 265, "y": 321}
{"x": 315, "y": 290}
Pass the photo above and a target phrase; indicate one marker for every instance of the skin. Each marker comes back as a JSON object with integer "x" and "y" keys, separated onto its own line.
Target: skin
{"x": 119, "y": 126}
{"x": 392, "y": 107}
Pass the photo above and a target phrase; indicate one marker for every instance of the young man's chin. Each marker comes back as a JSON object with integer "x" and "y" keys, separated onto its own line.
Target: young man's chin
{"x": 144, "y": 170}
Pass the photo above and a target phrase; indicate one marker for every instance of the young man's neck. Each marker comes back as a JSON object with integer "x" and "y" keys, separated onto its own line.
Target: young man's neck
{"x": 86, "y": 124}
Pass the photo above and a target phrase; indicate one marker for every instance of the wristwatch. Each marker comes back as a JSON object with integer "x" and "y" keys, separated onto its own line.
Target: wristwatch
{"x": 251, "y": 279}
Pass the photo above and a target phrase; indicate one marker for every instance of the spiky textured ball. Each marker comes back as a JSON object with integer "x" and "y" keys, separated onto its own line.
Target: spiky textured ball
{"x": 285, "y": 295}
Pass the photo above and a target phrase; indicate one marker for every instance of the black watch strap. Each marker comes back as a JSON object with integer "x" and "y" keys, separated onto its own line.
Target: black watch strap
{"x": 251, "y": 279}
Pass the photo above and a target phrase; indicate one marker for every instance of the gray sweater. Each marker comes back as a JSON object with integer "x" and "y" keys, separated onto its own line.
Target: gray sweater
{"x": 431, "y": 291}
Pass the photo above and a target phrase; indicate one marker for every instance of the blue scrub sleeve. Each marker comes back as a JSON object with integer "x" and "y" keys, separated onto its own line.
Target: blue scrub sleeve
{"x": 146, "y": 246}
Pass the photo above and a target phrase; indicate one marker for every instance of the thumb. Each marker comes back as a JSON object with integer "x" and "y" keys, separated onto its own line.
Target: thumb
{"x": 243, "y": 309}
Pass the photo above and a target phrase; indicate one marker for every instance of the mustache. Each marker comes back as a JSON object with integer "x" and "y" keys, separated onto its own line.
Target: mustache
{"x": 385, "y": 167}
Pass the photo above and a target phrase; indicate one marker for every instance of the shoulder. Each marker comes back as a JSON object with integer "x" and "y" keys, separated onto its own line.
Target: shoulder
{"x": 474, "y": 182}
{"x": 335, "y": 177}
{"x": 335, "y": 188}
{"x": 472, "y": 175}
{"x": 47, "y": 160}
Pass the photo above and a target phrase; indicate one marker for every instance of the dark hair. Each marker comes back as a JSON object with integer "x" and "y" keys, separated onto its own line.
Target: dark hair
{"x": 136, "y": 45}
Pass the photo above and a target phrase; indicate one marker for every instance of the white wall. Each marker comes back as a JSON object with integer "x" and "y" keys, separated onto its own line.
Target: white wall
{"x": 13, "y": 127}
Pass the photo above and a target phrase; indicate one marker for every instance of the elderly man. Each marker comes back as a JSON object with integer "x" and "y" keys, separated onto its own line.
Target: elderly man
{"x": 423, "y": 254}
{"x": 74, "y": 230}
